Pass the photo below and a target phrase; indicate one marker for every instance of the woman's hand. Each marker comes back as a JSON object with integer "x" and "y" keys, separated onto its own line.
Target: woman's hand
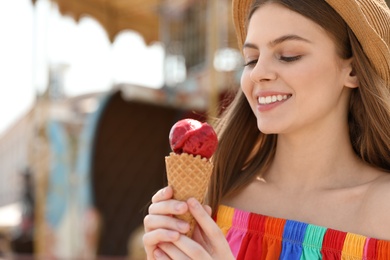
{"x": 160, "y": 225}
{"x": 208, "y": 241}
{"x": 165, "y": 235}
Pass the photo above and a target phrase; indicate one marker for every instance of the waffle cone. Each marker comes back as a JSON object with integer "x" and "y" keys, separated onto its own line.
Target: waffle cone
{"x": 188, "y": 176}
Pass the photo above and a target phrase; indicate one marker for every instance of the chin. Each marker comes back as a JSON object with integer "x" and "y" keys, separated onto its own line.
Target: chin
{"x": 271, "y": 125}
{"x": 268, "y": 130}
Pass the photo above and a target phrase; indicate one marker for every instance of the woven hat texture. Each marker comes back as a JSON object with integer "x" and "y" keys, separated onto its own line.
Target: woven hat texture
{"x": 368, "y": 19}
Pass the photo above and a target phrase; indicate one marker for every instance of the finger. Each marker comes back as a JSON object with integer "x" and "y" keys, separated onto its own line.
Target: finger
{"x": 198, "y": 235}
{"x": 168, "y": 207}
{"x": 191, "y": 248}
{"x": 207, "y": 224}
{"x": 163, "y": 194}
{"x": 216, "y": 246}
{"x": 153, "y": 238}
{"x": 160, "y": 254}
{"x": 152, "y": 222}
{"x": 173, "y": 251}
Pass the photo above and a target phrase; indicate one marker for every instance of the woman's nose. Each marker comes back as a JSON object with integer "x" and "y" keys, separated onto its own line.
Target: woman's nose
{"x": 263, "y": 71}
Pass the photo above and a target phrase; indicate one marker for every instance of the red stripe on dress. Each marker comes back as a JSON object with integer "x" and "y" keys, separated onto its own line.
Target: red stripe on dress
{"x": 333, "y": 244}
{"x": 252, "y": 243}
{"x": 370, "y": 248}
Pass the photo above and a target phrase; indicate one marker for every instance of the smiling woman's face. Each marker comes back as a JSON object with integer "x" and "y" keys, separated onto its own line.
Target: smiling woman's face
{"x": 293, "y": 78}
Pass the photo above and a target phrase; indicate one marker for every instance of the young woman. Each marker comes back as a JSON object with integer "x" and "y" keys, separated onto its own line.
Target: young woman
{"x": 302, "y": 168}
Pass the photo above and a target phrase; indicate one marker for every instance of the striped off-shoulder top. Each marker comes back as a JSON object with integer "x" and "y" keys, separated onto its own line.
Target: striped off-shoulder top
{"x": 255, "y": 236}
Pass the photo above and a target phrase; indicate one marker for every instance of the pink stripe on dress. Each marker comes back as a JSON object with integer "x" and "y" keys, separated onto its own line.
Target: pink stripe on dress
{"x": 240, "y": 221}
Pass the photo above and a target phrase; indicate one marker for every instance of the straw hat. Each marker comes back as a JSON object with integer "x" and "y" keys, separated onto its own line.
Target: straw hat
{"x": 368, "y": 19}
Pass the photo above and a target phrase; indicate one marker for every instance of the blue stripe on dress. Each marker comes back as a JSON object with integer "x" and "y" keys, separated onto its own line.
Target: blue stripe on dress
{"x": 293, "y": 237}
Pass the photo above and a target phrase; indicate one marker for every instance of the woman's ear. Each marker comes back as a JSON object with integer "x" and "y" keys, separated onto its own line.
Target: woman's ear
{"x": 351, "y": 80}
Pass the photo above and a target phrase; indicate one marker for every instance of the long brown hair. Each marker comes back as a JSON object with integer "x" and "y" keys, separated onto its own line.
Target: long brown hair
{"x": 244, "y": 152}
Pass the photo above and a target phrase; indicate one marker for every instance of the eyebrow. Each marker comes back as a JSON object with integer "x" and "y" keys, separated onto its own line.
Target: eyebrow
{"x": 288, "y": 37}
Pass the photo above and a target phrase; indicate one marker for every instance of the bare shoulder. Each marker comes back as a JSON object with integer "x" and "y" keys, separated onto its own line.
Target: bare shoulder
{"x": 376, "y": 206}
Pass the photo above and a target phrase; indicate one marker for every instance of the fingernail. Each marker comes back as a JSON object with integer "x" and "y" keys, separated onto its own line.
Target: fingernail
{"x": 179, "y": 206}
{"x": 183, "y": 226}
{"x": 193, "y": 203}
{"x": 163, "y": 192}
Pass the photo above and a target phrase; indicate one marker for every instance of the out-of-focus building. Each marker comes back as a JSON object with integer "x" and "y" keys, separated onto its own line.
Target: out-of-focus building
{"x": 14, "y": 159}
{"x": 96, "y": 159}
{"x": 13, "y": 168}
{"x": 27, "y": 157}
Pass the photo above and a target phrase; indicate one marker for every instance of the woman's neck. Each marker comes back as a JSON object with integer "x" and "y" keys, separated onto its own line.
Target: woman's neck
{"x": 324, "y": 159}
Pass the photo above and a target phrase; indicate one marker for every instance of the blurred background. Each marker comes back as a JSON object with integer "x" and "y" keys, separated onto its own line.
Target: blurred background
{"x": 89, "y": 90}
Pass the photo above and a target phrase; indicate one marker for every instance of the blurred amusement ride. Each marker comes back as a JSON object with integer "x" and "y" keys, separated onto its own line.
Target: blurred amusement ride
{"x": 77, "y": 172}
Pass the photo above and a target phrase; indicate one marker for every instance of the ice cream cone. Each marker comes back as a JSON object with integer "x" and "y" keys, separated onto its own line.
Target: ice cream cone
{"x": 188, "y": 176}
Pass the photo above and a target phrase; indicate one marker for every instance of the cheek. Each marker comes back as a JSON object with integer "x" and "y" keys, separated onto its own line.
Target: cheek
{"x": 246, "y": 84}
{"x": 308, "y": 81}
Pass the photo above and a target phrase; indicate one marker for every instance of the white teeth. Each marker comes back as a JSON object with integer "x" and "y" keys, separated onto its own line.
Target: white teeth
{"x": 271, "y": 99}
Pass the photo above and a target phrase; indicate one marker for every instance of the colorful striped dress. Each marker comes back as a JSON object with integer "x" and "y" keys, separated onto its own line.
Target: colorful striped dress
{"x": 254, "y": 236}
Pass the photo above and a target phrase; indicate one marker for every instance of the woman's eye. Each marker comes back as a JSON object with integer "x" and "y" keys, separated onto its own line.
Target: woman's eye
{"x": 250, "y": 63}
{"x": 290, "y": 58}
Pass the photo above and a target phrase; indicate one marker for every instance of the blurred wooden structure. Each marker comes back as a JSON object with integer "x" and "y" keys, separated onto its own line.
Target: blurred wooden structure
{"x": 142, "y": 16}
{"x": 117, "y": 15}
{"x": 122, "y": 155}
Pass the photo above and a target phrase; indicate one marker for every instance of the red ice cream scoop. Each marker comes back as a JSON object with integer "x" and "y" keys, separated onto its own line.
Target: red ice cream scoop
{"x": 193, "y": 137}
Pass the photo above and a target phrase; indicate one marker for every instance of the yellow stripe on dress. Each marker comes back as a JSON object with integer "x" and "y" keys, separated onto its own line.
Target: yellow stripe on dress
{"x": 353, "y": 246}
{"x": 225, "y": 218}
